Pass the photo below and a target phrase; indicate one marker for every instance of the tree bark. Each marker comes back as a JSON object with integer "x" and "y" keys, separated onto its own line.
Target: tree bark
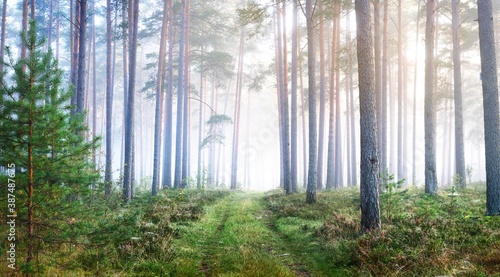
{"x": 159, "y": 100}
{"x": 491, "y": 106}
{"x": 2, "y": 43}
{"x": 293, "y": 115}
{"x": 109, "y": 103}
{"x": 236, "y": 131}
{"x": 370, "y": 209}
{"x": 311, "y": 60}
{"x": 82, "y": 32}
{"x": 322, "y": 100}
{"x": 430, "y": 114}
{"x": 457, "y": 87}
{"x": 180, "y": 97}
{"x": 129, "y": 130}
{"x": 167, "y": 137}
{"x": 284, "y": 119}
{"x": 414, "y": 142}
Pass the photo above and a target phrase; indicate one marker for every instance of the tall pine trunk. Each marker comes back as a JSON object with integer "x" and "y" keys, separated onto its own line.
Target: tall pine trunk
{"x": 311, "y": 65}
{"x": 370, "y": 206}
{"x": 2, "y": 42}
{"x": 322, "y": 98}
{"x": 159, "y": 101}
{"x": 430, "y": 114}
{"x": 128, "y": 188}
{"x": 236, "y": 131}
{"x": 167, "y": 137}
{"x": 109, "y": 102}
{"x": 457, "y": 87}
{"x": 180, "y": 97}
{"x": 491, "y": 106}
{"x": 293, "y": 114}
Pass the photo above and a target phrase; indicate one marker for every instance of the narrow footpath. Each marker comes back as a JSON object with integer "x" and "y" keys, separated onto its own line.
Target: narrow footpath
{"x": 236, "y": 237}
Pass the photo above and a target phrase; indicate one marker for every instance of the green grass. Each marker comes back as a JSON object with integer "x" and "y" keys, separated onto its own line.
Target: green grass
{"x": 221, "y": 233}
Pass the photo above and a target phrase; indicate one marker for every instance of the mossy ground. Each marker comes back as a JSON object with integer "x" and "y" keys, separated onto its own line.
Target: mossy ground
{"x": 221, "y": 233}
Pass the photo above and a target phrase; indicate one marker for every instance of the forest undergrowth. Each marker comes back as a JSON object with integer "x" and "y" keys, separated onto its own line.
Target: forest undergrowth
{"x": 222, "y": 233}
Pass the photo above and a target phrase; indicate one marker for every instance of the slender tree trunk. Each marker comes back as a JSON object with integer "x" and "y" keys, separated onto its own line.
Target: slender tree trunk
{"x": 384, "y": 96}
{"x": 180, "y": 95}
{"x": 415, "y": 75}
{"x": 2, "y": 43}
{"x": 199, "y": 175}
{"x": 82, "y": 32}
{"x": 378, "y": 74}
{"x": 330, "y": 168}
{"x": 185, "y": 114}
{"x": 339, "y": 175}
{"x": 322, "y": 98}
{"x": 284, "y": 118}
{"x": 304, "y": 129}
{"x": 430, "y": 114}
{"x": 239, "y": 84}
{"x": 128, "y": 178}
{"x": 94, "y": 85}
{"x": 159, "y": 100}
{"x": 354, "y": 176}
{"x": 293, "y": 116}
{"x": 457, "y": 87}
{"x": 491, "y": 106}
{"x": 167, "y": 137}
{"x": 311, "y": 65}
{"x": 24, "y": 28}
{"x": 370, "y": 209}
{"x": 125, "y": 81}
{"x": 400, "y": 92}
{"x": 109, "y": 103}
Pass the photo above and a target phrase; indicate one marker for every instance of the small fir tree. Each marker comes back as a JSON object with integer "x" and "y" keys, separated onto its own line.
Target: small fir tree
{"x": 47, "y": 146}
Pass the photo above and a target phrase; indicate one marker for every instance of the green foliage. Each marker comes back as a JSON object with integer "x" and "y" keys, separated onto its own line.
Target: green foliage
{"x": 215, "y": 133}
{"x": 35, "y": 117}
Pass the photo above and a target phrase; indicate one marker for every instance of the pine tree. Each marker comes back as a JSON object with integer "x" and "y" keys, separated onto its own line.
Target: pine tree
{"x": 44, "y": 142}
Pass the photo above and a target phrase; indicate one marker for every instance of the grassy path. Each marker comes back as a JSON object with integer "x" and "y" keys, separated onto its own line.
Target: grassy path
{"x": 236, "y": 237}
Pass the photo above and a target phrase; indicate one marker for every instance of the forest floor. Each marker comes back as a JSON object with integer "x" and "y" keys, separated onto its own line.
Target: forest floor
{"x": 222, "y": 233}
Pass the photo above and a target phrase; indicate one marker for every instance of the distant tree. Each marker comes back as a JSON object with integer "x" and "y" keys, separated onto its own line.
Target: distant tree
{"x": 237, "y": 109}
{"x": 311, "y": 65}
{"x": 82, "y": 34}
{"x": 159, "y": 99}
{"x": 44, "y": 143}
{"x": 322, "y": 96}
{"x": 430, "y": 114}
{"x": 293, "y": 113}
{"x": 457, "y": 83}
{"x": 180, "y": 95}
{"x": 283, "y": 98}
{"x": 370, "y": 203}
{"x": 491, "y": 105}
{"x": 167, "y": 137}
{"x": 109, "y": 101}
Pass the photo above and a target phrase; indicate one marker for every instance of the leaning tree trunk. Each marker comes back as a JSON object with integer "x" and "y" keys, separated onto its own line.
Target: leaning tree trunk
{"x": 491, "y": 106}
{"x": 430, "y": 114}
{"x": 370, "y": 206}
